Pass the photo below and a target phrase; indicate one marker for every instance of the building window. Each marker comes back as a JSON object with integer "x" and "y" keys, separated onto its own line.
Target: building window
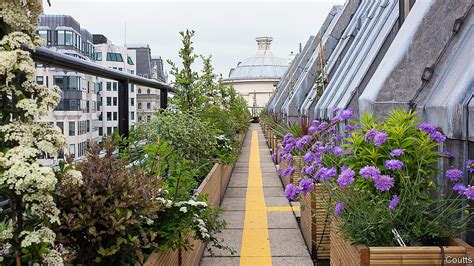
{"x": 120, "y": 69}
{"x": 72, "y": 149}
{"x": 148, "y": 106}
{"x": 115, "y": 86}
{"x": 139, "y": 91}
{"x": 46, "y": 36}
{"x": 132, "y": 115}
{"x": 61, "y": 126}
{"x": 109, "y": 101}
{"x": 99, "y": 86}
{"x": 97, "y": 56}
{"x": 101, "y": 131}
{"x": 69, "y": 38}
{"x": 115, "y": 57}
{"x": 148, "y": 118}
{"x": 129, "y": 60}
{"x": 132, "y": 72}
{"x": 72, "y": 128}
{"x": 115, "y": 101}
{"x": 132, "y": 88}
{"x": 39, "y": 80}
{"x": 88, "y": 125}
{"x": 60, "y": 39}
{"x": 109, "y": 86}
{"x": 109, "y": 116}
{"x": 139, "y": 105}
{"x": 132, "y": 101}
{"x": 148, "y": 91}
{"x": 115, "y": 116}
{"x": 109, "y": 131}
{"x": 139, "y": 118}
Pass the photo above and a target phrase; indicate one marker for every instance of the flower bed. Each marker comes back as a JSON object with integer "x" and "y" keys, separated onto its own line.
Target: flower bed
{"x": 345, "y": 254}
{"x": 214, "y": 185}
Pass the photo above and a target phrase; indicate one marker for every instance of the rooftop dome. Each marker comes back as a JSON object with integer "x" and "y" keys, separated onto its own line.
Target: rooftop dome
{"x": 264, "y": 65}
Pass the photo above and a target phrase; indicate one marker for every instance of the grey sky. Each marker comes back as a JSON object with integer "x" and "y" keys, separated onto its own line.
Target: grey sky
{"x": 225, "y": 29}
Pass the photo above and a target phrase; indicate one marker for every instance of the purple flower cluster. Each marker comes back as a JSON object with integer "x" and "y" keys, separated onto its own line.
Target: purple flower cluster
{"x": 289, "y": 171}
{"x": 454, "y": 174}
{"x": 393, "y": 164}
{"x": 447, "y": 154}
{"x": 431, "y": 130}
{"x": 291, "y": 192}
{"x": 394, "y": 202}
{"x": 337, "y": 150}
{"x": 459, "y": 188}
{"x": 469, "y": 192}
{"x": 379, "y": 138}
{"x": 369, "y": 172}
{"x": 338, "y": 209}
{"x": 470, "y": 166}
{"x": 397, "y": 152}
{"x": 383, "y": 182}
{"x": 346, "y": 177}
{"x": 346, "y": 114}
{"x": 305, "y": 185}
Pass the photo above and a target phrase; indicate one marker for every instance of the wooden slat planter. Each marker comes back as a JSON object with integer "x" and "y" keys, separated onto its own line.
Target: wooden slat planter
{"x": 214, "y": 185}
{"x": 315, "y": 223}
{"x": 343, "y": 253}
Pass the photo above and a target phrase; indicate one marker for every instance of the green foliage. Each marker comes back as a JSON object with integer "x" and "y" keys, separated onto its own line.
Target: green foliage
{"x": 102, "y": 220}
{"x": 424, "y": 215}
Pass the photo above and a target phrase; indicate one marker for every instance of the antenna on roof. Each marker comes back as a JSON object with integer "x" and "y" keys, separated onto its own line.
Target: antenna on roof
{"x": 125, "y": 44}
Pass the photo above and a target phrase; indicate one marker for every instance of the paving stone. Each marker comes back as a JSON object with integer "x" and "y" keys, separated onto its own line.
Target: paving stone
{"x": 236, "y": 192}
{"x": 220, "y": 261}
{"x": 281, "y": 219}
{"x": 292, "y": 261}
{"x": 273, "y": 191}
{"x": 276, "y": 202}
{"x": 234, "y": 219}
{"x": 232, "y": 238}
{"x": 233, "y": 204}
{"x": 287, "y": 242}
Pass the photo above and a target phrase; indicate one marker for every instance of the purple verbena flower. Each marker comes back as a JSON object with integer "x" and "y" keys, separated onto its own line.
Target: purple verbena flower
{"x": 336, "y": 119}
{"x": 315, "y": 123}
{"x": 470, "y": 166}
{"x": 438, "y": 137}
{"x": 394, "y": 202}
{"x": 339, "y": 138}
{"x": 397, "y": 152}
{"x": 346, "y": 114}
{"x": 308, "y": 170}
{"x": 369, "y": 172}
{"x": 289, "y": 158}
{"x": 370, "y": 134}
{"x": 427, "y": 128}
{"x": 393, "y": 164}
{"x": 459, "y": 188}
{"x": 330, "y": 173}
{"x": 337, "y": 150}
{"x": 306, "y": 185}
{"x": 320, "y": 173}
{"x": 336, "y": 110}
{"x": 454, "y": 174}
{"x": 447, "y": 154}
{"x": 380, "y": 138}
{"x": 338, "y": 209}
{"x": 349, "y": 128}
{"x": 274, "y": 155}
{"x": 291, "y": 192}
{"x": 346, "y": 178}
{"x": 383, "y": 182}
{"x": 469, "y": 192}
{"x": 308, "y": 157}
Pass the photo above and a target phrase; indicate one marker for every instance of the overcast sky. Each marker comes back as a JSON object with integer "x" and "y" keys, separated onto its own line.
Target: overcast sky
{"x": 224, "y": 29}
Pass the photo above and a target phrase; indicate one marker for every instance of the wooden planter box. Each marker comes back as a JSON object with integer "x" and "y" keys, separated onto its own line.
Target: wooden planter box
{"x": 315, "y": 223}
{"x": 291, "y": 179}
{"x": 214, "y": 185}
{"x": 343, "y": 253}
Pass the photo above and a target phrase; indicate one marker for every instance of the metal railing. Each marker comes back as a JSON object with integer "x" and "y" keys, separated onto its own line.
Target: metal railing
{"x": 52, "y": 58}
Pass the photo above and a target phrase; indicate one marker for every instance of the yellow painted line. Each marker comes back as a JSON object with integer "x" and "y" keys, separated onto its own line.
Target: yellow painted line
{"x": 284, "y": 209}
{"x": 255, "y": 249}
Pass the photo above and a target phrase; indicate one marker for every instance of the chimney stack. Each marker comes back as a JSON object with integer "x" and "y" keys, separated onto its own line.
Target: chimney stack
{"x": 263, "y": 44}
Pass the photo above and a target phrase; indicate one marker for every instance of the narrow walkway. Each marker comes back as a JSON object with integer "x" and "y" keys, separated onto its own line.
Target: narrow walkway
{"x": 261, "y": 225}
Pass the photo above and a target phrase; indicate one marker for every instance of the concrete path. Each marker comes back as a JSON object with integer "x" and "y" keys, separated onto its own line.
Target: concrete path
{"x": 261, "y": 225}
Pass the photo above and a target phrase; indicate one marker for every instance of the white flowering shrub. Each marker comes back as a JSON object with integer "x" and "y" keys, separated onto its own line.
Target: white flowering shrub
{"x": 26, "y": 234}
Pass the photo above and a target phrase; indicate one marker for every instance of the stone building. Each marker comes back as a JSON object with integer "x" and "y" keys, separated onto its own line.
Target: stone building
{"x": 255, "y": 78}
{"x": 379, "y": 55}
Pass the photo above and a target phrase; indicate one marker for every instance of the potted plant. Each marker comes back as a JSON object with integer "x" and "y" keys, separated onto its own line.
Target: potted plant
{"x": 383, "y": 192}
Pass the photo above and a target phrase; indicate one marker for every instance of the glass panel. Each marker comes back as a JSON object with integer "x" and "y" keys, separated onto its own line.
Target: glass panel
{"x": 109, "y": 86}
{"x": 44, "y": 35}
{"x": 61, "y": 126}
{"x": 69, "y": 38}
{"x": 119, "y": 57}
{"x": 129, "y": 60}
{"x": 115, "y": 101}
{"x": 60, "y": 37}
{"x": 115, "y": 116}
{"x": 72, "y": 149}
{"x": 115, "y": 86}
{"x": 72, "y": 128}
{"x": 109, "y": 57}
